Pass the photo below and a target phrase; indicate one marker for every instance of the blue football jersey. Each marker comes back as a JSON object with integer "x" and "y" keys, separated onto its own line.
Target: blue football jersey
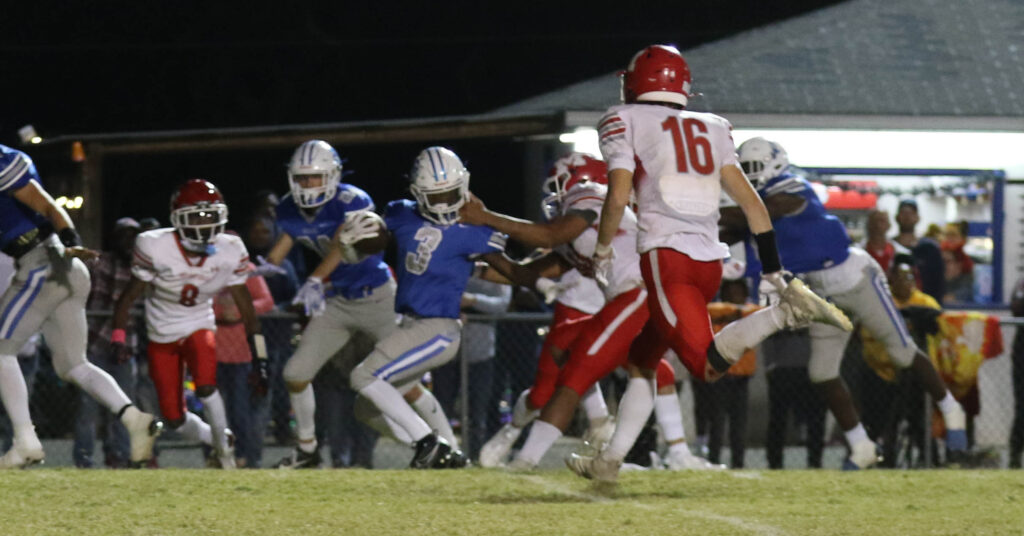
{"x": 434, "y": 261}
{"x": 315, "y": 231}
{"x": 16, "y": 219}
{"x": 812, "y": 239}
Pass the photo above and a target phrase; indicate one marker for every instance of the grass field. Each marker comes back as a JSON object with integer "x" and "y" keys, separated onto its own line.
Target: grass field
{"x": 475, "y": 501}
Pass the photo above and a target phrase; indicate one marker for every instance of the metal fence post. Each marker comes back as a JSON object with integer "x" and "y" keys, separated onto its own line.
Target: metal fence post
{"x": 464, "y": 391}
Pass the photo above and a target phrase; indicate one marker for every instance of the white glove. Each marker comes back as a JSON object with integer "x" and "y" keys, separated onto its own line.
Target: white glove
{"x": 551, "y": 288}
{"x": 772, "y": 285}
{"x": 359, "y": 226}
{"x": 603, "y": 256}
{"x": 267, "y": 269}
{"x": 311, "y": 297}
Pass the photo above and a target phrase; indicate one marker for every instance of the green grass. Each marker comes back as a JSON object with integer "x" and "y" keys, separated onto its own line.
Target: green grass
{"x": 475, "y": 501}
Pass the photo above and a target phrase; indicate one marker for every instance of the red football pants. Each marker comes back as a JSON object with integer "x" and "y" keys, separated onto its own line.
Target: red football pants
{"x": 566, "y": 326}
{"x": 166, "y": 366}
{"x": 604, "y": 344}
{"x": 679, "y": 290}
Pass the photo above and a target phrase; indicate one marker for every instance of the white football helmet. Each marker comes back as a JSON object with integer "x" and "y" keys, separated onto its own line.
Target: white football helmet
{"x": 314, "y": 159}
{"x": 440, "y": 184}
{"x": 762, "y": 160}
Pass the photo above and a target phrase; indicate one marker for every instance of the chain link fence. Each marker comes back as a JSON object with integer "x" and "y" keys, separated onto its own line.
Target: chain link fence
{"x": 784, "y": 422}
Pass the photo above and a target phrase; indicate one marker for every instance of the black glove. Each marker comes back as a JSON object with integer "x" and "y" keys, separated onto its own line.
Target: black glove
{"x": 259, "y": 376}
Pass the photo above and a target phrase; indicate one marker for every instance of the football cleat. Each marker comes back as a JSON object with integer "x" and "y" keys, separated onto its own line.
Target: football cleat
{"x": 863, "y": 455}
{"x": 226, "y": 457}
{"x": 432, "y": 452}
{"x": 956, "y": 429}
{"x": 685, "y": 461}
{"x": 801, "y": 306}
{"x": 496, "y": 449}
{"x": 599, "y": 436}
{"x": 300, "y": 459}
{"x": 23, "y": 453}
{"x": 594, "y": 467}
{"x": 143, "y": 429}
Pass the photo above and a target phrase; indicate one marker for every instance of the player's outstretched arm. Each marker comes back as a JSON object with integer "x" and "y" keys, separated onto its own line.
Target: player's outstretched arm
{"x": 36, "y": 198}
{"x": 526, "y": 274}
{"x": 561, "y": 230}
{"x": 281, "y": 249}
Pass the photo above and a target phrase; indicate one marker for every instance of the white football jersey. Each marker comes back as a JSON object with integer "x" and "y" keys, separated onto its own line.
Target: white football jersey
{"x": 676, "y": 157}
{"x": 580, "y": 292}
{"x": 625, "y": 272}
{"x": 179, "y": 299}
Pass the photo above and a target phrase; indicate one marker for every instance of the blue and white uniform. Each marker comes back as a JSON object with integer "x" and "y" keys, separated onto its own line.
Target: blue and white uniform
{"x": 434, "y": 264}
{"x": 360, "y": 296}
{"x": 814, "y": 245}
{"x": 48, "y": 292}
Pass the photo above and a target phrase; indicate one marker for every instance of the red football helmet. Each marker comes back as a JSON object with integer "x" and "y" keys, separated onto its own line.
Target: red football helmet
{"x": 568, "y": 171}
{"x": 657, "y": 73}
{"x": 198, "y": 213}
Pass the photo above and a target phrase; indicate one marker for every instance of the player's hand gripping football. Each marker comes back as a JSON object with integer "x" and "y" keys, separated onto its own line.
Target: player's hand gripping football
{"x": 359, "y": 226}
{"x": 311, "y": 297}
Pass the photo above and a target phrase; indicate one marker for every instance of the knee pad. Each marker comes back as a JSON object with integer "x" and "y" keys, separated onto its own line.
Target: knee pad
{"x": 666, "y": 376}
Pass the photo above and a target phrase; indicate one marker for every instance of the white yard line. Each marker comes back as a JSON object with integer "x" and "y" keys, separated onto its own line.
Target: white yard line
{"x": 752, "y": 527}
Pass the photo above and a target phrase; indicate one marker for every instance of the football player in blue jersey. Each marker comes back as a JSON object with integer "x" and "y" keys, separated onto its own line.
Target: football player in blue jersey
{"x": 338, "y": 297}
{"x": 815, "y": 246}
{"x": 48, "y": 293}
{"x": 436, "y": 255}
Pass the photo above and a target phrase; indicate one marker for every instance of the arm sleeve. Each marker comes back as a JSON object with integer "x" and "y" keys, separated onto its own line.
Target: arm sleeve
{"x": 616, "y": 141}
{"x": 16, "y": 170}
{"x": 142, "y": 261}
{"x": 484, "y": 240}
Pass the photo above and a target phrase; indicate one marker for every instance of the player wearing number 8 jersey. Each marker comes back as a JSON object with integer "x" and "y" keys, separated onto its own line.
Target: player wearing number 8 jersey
{"x": 678, "y": 162}
{"x": 180, "y": 269}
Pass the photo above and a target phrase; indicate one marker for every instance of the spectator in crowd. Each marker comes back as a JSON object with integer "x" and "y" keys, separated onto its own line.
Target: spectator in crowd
{"x": 926, "y": 252}
{"x": 110, "y": 274}
{"x": 244, "y": 392}
{"x": 959, "y": 268}
{"x": 876, "y": 243}
{"x": 727, "y": 398}
{"x": 283, "y": 283}
{"x": 478, "y": 350}
{"x": 148, "y": 224}
{"x": 1017, "y": 356}
{"x": 786, "y": 355}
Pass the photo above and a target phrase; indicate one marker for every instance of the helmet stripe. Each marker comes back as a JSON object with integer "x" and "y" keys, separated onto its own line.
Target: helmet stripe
{"x": 440, "y": 161}
{"x": 432, "y": 166}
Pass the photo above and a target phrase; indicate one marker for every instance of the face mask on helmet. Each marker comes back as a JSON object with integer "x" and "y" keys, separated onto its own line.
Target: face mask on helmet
{"x": 314, "y": 173}
{"x": 570, "y": 170}
{"x": 197, "y": 225}
{"x": 440, "y": 184}
{"x": 762, "y": 160}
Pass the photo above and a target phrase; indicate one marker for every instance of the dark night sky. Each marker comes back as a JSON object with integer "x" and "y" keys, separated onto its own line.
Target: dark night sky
{"x": 78, "y": 67}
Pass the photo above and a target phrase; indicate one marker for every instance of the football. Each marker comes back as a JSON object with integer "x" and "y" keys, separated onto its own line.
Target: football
{"x": 370, "y": 232}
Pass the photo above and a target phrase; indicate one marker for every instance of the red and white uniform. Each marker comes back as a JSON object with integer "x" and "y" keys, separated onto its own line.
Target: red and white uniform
{"x": 179, "y": 300}
{"x": 676, "y": 157}
{"x": 603, "y": 345}
{"x": 179, "y": 308}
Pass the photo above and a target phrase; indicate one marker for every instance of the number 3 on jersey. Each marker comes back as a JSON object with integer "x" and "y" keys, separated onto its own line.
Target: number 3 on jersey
{"x": 697, "y": 149}
{"x": 429, "y": 238}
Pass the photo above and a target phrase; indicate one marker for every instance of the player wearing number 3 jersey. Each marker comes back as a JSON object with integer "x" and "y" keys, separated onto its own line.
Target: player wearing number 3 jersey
{"x": 180, "y": 269}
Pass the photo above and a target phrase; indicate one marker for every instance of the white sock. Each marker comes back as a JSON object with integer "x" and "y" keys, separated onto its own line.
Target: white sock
{"x": 217, "y": 416}
{"x": 304, "y": 406}
{"x": 856, "y": 434}
{"x": 14, "y": 393}
{"x": 521, "y": 413}
{"x": 542, "y": 435}
{"x": 634, "y": 409}
{"x": 100, "y": 385}
{"x": 669, "y": 416}
{"x": 391, "y": 403}
{"x": 432, "y": 413}
{"x": 396, "y": 431}
{"x": 681, "y": 447}
{"x": 948, "y": 403}
{"x": 195, "y": 429}
{"x": 593, "y": 404}
{"x": 747, "y": 332}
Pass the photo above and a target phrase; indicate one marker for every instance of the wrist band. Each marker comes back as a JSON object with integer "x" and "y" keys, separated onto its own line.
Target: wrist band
{"x": 118, "y": 336}
{"x": 69, "y": 237}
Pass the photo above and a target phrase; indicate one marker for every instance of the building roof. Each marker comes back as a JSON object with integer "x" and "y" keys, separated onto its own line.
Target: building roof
{"x": 953, "y": 58}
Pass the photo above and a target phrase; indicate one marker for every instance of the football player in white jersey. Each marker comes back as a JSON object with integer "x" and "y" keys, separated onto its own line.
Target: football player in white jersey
{"x": 604, "y": 343}
{"x": 181, "y": 269}
{"x": 678, "y": 162}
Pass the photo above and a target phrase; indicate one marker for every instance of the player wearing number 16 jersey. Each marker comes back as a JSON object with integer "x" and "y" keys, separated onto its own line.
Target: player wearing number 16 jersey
{"x": 181, "y": 269}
